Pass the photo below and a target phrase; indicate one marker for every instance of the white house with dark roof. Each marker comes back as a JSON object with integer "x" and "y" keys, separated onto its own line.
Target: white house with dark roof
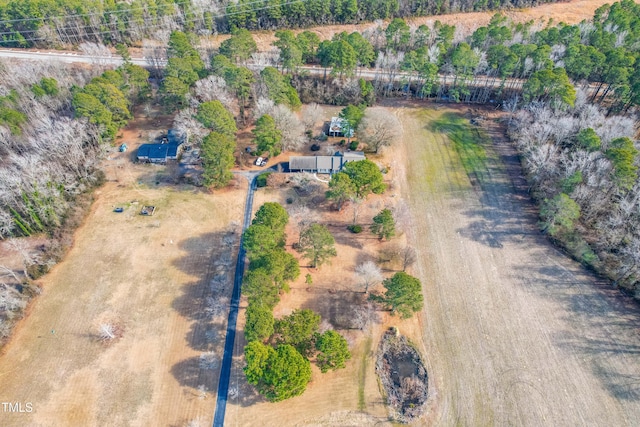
{"x": 324, "y": 164}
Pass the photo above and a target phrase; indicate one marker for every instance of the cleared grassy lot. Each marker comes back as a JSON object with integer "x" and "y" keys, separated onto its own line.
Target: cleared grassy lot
{"x": 152, "y": 276}
{"x": 515, "y": 333}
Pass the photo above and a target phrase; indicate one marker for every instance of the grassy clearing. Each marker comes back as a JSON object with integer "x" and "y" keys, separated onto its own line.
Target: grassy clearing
{"x": 437, "y": 163}
{"x": 467, "y": 142}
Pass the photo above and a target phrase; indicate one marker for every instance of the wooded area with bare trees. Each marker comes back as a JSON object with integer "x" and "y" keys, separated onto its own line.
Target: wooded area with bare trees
{"x": 582, "y": 166}
{"x": 56, "y": 121}
{"x": 55, "y": 22}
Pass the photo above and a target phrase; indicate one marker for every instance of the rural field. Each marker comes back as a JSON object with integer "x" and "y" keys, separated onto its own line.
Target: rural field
{"x": 513, "y": 332}
{"x": 155, "y": 278}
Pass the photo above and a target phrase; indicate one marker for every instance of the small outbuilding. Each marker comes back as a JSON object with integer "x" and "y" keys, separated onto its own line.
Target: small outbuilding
{"x": 337, "y": 127}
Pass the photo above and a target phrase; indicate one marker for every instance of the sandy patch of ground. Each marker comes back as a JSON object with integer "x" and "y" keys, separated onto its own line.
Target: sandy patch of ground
{"x": 515, "y": 333}
{"x": 151, "y": 276}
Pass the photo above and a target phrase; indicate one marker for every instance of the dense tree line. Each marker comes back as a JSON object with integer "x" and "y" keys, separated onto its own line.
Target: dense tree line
{"x": 278, "y": 350}
{"x": 583, "y": 169}
{"x": 54, "y": 123}
{"x": 495, "y": 62}
{"x": 107, "y": 99}
{"x": 62, "y": 22}
{"x": 52, "y": 130}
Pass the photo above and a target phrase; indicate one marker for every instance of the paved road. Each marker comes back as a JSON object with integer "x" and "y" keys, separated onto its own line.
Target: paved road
{"x": 365, "y": 73}
{"x": 78, "y": 57}
{"x": 67, "y": 57}
{"x": 225, "y": 371}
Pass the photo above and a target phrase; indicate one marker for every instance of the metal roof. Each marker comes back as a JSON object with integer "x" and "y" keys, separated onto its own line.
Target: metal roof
{"x": 302, "y": 162}
{"x": 353, "y": 156}
{"x": 162, "y": 151}
{"x": 324, "y": 163}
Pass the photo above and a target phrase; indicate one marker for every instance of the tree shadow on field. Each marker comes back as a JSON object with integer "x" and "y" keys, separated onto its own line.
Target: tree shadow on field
{"x": 621, "y": 385}
{"x": 504, "y": 212}
{"x": 241, "y": 392}
{"x": 210, "y": 258}
{"x": 337, "y": 307}
{"x": 345, "y": 237}
{"x": 201, "y": 262}
{"x": 499, "y": 217}
{"x": 602, "y": 324}
{"x": 191, "y": 373}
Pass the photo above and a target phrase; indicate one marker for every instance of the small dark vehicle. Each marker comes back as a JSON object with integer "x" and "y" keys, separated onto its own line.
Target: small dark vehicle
{"x": 118, "y": 210}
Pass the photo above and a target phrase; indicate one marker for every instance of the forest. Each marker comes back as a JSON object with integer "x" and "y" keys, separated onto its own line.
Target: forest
{"x": 52, "y": 23}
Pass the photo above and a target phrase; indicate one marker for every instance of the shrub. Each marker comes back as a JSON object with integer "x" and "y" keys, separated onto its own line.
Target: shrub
{"x": 261, "y": 180}
{"x": 353, "y": 145}
{"x": 355, "y": 228}
{"x": 315, "y": 147}
{"x": 289, "y": 200}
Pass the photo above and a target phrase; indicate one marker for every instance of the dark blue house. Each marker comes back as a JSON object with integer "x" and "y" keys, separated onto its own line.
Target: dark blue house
{"x": 168, "y": 148}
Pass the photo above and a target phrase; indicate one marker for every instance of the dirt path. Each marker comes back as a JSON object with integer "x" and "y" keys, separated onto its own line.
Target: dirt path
{"x": 515, "y": 333}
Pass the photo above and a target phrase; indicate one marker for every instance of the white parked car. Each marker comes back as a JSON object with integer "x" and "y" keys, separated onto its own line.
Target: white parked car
{"x": 259, "y": 161}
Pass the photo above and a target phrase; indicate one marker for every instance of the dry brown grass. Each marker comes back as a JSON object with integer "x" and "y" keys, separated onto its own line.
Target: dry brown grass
{"x": 349, "y": 396}
{"x": 151, "y": 275}
{"x": 515, "y": 333}
{"x": 512, "y": 332}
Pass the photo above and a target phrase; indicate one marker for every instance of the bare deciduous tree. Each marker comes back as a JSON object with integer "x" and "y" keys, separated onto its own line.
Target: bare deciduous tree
{"x": 408, "y": 257}
{"x": 356, "y": 204}
{"x": 263, "y": 106}
{"x": 11, "y": 300}
{"x": 289, "y": 124}
{"x": 378, "y": 128}
{"x": 364, "y": 316}
{"x": 214, "y": 88}
{"x": 28, "y": 257}
{"x": 368, "y": 274}
{"x": 7, "y": 272}
{"x": 108, "y": 331}
{"x": 311, "y": 114}
{"x": 302, "y": 215}
{"x": 186, "y": 124}
{"x": 261, "y": 60}
{"x": 305, "y": 183}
